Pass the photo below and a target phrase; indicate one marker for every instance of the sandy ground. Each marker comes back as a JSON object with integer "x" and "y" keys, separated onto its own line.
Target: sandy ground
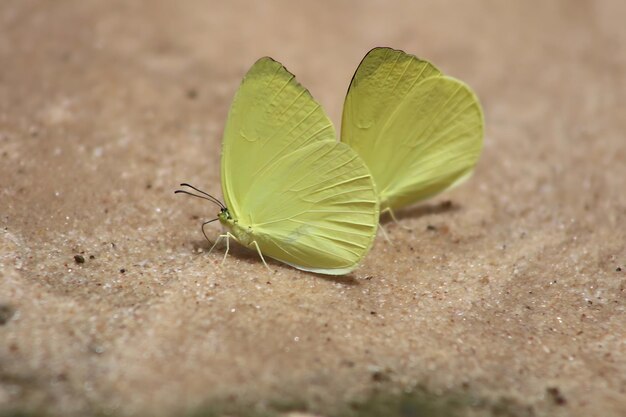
{"x": 514, "y": 298}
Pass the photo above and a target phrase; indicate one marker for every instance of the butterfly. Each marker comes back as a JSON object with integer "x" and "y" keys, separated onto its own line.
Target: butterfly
{"x": 292, "y": 191}
{"x": 419, "y": 132}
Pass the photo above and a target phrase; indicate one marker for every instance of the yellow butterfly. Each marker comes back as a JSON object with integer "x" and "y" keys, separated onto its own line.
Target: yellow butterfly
{"x": 419, "y": 132}
{"x": 292, "y": 191}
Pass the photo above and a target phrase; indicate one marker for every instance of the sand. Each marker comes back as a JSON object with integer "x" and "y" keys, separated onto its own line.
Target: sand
{"x": 510, "y": 298}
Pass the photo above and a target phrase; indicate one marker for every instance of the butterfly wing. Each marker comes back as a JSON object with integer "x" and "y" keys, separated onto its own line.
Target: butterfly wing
{"x": 271, "y": 115}
{"x": 308, "y": 200}
{"x": 322, "y": 214}
{"x": 418, "y": 131}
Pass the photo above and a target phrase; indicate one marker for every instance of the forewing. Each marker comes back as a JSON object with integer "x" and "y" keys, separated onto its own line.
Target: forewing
{"x": 315, "y": 208}
{"x": 271, "y": 116}
{"x": 379, "y": 86}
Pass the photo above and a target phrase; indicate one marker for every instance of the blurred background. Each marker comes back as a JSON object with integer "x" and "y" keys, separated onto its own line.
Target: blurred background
{"x": 509, "y": 304}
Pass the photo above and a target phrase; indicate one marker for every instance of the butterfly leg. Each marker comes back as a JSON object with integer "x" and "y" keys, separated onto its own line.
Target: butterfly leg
{"x": 260, "y": 254}
{"x": 216, "y": 242}
{"x": 382, "y": 228}
{"x": 228, "y": 235}
{"x": 395, "y": 219}
{"x": 393, "y": 216}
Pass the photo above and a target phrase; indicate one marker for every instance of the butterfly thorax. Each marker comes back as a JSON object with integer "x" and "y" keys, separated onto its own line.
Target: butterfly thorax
{"x": 242, "y": 233}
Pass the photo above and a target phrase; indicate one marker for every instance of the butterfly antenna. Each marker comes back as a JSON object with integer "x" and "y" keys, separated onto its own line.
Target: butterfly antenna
{"x": 198, "y": 196}
{"x": 215, "y": 200}
{"x": 205, "y": 196}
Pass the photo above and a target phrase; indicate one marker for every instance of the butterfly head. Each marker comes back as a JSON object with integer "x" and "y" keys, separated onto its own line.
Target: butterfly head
{"x": 224, "y": 216}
